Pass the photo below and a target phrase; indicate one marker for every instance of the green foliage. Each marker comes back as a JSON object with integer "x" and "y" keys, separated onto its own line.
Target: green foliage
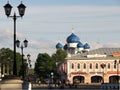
{"x": 44, "y": 65}
{"x": 59, "y": 56}
{"x": 7, "y": 57}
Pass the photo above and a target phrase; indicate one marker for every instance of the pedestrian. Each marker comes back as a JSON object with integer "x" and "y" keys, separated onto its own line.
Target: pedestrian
{"x": 39, "y": 82}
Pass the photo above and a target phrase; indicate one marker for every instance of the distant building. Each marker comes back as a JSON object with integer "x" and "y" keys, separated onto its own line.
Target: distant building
{"x": 4, "y": 69}
{"x": 89, "y": 66}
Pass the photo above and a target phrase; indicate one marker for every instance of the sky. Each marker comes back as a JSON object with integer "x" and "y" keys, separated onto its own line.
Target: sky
{"x": 47, "y": 22}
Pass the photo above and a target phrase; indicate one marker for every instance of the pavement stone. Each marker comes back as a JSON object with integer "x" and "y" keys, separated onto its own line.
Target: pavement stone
{"x": 13, "y": 83}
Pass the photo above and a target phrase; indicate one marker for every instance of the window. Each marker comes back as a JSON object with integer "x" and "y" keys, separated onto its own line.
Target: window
{"x": 5, "y": 68}
{"x": 114, "y": 66}
{"x": 96, "y": 66}
{"x": 84, "y": 66}
{"x": 72, "y": 66}
{"x": 108, "y": 65}
{"x": 78, "y": 66}
{"x": 115, "y": 63}
{"x": 2, "y": 66}
{"x": 72, "y": 50}
{"x": 90, "y": 66}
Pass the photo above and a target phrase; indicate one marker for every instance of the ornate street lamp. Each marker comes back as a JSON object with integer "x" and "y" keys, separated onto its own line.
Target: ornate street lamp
{"x": 28, "y": 56}
{"x": 103, "y": 66}
{"x": 21, "y": 9}
{"x": 52, "y": 76}
{"x": 29, "y": 63}
{"x": 8, "y": 9}
{"x": 116, "y": 65}
{"x": 22, "y": 46}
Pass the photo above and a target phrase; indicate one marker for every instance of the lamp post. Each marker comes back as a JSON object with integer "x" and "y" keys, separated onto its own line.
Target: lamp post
{"x": 21, "y": 9}
{"x": 52, "y": 76}
{"x": 79, "y": 76}
{"x": 22, "y": 47}
{"x": 29, "y": 63}
{"x": 103, "y": 66}
{"x": 116, "y": 63}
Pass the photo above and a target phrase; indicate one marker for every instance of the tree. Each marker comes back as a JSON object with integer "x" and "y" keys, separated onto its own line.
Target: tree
{"x": 59, "y": 56}
{"x": 44, "y": 65}
{"x": 6, "y": 58}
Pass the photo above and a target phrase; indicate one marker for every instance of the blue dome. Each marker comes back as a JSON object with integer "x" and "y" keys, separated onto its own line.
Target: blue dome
{"x": 59, "y": 45}
{"x": 72, "y": 38}
{"x": 65, "y": 46}
{"x": 79, "y": 45}
{"x": 86, "y": 46}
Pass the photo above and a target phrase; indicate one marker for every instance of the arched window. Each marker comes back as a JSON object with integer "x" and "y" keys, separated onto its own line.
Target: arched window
{"x": 71, "y": 50}
{"x": 78, "y": 66}
{"x": 84, "y": 66}
{"x": 108, "y": 65}
{"x": 72, "y": 66}
{"x": 114, "y": 66}
{"x": 96, "y": 66}
{"x": 5, "y": 68}
{"x": 90, "y": 66}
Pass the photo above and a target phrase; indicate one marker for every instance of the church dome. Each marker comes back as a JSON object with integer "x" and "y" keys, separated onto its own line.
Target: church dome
{"x": 72, "y": 38}
{"x": 86, "y": 46}
{"x": 59, "y": 45}
{"x": 65, "y": 47}
{"x": 79, "y": 45}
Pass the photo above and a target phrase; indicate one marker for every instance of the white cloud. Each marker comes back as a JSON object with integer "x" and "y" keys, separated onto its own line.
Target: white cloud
{"x": 6, "y": 32}
{"x": 5, "y": 37}
{"x": 94, "y": 45}
{"x": 112, "y": 44}
{"x": 42, "y": 46}
{"x": 9, "y": 34}
{"x": 88, "y": 18}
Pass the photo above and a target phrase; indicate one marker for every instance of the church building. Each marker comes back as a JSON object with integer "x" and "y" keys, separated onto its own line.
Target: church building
{"x": 83, "y": 65}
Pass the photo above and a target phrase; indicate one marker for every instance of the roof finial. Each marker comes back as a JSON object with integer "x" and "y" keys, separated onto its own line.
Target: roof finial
{"x": 21, "y": 2}
{"x": 8, "y": 2}
{"x": 72, "y": 29}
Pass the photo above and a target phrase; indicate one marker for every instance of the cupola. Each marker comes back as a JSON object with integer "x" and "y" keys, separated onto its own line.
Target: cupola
{"x": 59, "y": 45}
{"x": 72, "y": 38}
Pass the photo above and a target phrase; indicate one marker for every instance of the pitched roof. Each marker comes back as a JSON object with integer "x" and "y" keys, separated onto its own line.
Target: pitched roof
{"x": 100, "y": 51}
